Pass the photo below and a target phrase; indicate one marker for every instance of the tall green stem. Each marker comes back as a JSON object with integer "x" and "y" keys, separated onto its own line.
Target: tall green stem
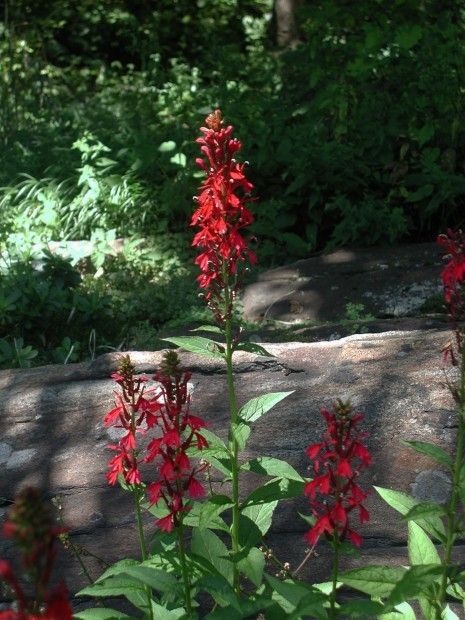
{"x": 332, "y": 596}
{"x": 184, "y": 569}
{"x": 451, "y": 528}
{"x": 233, "y": 445}
{"x": 142, "y": 543}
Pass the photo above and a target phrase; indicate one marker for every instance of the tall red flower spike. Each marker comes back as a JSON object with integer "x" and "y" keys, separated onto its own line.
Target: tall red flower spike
{"x": 134, "y": 413}
{"x": 337, "y": 462}
{"x": 453, "y": 279}
{"x": 30, "y": 525}
{"x": 177, "y": 475}
{"x": 221, "y": 214}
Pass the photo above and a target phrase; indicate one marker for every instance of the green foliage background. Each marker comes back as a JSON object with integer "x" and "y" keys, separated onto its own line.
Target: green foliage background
{"x": 355, "y": 135}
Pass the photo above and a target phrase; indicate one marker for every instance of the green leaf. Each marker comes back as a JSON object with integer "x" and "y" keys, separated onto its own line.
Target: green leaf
{"x": 100, "y": 613}
{"x": 403, "y": 611}
{"x": 408, "y": 36}
{"x": 376, "y": 581}
{"x": 180, "y": 159}
{"x": 241, "y": 432}
{"x": 154, "y": 577}
{"x": 289, "y": 594}
{"x": 254, "y": 522}
{"x": 208, "y": 328}
{"x": 114, "y": 586}
{"x": 431, "y": 450}
{"x": 269, "y": 466}
{"x": 161, "y": 613}
{"x": 252, "y": 347}
{"x": 198, "y": 344}
{"x": 424, "y": 509}
{"x": 252, "y": 566}
{"x": 420, "y": 548}
{"x": 276, "y": 489}
{"x": 206, "y": 544}
{"x": 256, "y": 407}
{"x": 448, "y": 614}
{"x": 206, "y": 514}
{"x": 414, "y": 582}
{"x": 166, "y": 147}
{"x": 403, "y": 503}
{"x": 117, "y": 568}
{"x": 220, "y": 588}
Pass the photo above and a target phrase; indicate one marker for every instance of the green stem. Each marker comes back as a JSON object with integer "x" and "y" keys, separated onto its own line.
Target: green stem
{"x": 451, "y": 527}
{"x": 185, "y": 572}
{"x": 142, "y": 543}
{"x": 332, "y": 596}
{"x": 233, "y": 409}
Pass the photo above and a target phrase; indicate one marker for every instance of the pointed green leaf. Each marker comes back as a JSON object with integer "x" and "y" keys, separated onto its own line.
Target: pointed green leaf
{"x": 255, "y": 521}
{"x": 256, "y": 407}
{"x": 161, "y": 613}
{"x": 420, "y": 548}
{"x": 424, "y": 509}
{"x": 221, "y": 590}
{"x": 269, "y": 466}
{"x": 376, "y": 581}
{"x": 252, "y": 566}
{"x": 448, "y": 614}
{"x": 100, "y": 613}
{"x": 289, "y": 594}
{"x": 241, "y": 432}
{"x": 403, "y": 503}
{"x": 252, "y": 347}
{"x": 431, "y": 450}
{"x": 208, "y": 328}
{"x": 277, "y": 489}
{"x": 199, "y": 345}
{"x": 415, "y": 581}
{"x": 117, "y": 568}
{"x": 154, "y": 577}
{"x": 114, "y": 586}
{"x": 360, "y": 609}
{"x": 403, "y": 611}
{"x": 207, "y": 544}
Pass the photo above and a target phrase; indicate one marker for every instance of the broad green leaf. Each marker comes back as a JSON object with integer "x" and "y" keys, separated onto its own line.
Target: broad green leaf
{"x": 255, "y": 521}
{"x": 180, "y": 159}
{"x": 252, "y": 566}
{"x": 161, "y": 613}
{"x": 100, "y": 613}
{"x": 198, "y": 344}
{"x": 376, "y": 581}
{"x": 220, "y": 588}
{"x": 114, "y": 586}
{"x": 408, "y": 35}
{"x": 277, "y": 489}
{"x": 415, "y": 581}
{"x": 253, "y": 347}
{"x": 154, "y": 577}
{"x": 420, "y": 548}
{"x": 431, "y": 450}
{"x": 424, "y": 509}
{"x": 403, "y": 503}
{"x": 117, "y": 568}
{"x": 207, "y": 514}
{"x": 207, "y": 544}
{"x": 241, "y": 432}
{"x": 208, "y": 328}
{"x": 288, "y": 594}
{"x": 256, "y": 407}
{"x": 269, "y": 466}
{"x": 403, "y": 611}
{"x": 448, "y": 614}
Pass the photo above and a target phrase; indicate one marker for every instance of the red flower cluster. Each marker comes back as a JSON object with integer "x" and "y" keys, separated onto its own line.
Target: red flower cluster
{"x": 134, "y": 413}
{"x": 221, "y": 213}
{"x": 334, "y": 465}
{"x": 166, "y": 411}
{"x": 180, "y": 431}
{"x": 29, "y": 524}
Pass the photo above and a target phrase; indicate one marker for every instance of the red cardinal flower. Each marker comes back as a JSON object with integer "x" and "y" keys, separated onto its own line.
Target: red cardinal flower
{"x": 177, "y": 475}
{"x": 453, "y": 277}
{"x": 30, "y": 525}
{"x": 337, "y": 460}
{"x": 134, "y": 413}
{"x": 221, "y": 214}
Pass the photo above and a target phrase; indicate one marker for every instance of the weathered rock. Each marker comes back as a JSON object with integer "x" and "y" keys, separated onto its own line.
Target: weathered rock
{"x": 389, "y": 282}
{"x": 52, "y": 433}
